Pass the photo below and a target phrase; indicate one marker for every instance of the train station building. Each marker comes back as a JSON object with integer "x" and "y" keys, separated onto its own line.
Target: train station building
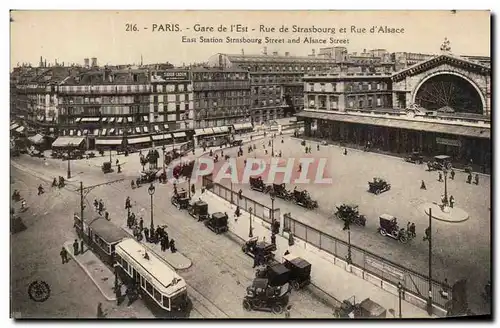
{"x": 439, "y": 106}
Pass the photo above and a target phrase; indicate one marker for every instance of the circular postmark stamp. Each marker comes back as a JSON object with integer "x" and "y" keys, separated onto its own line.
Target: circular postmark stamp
{"x": 39, "y": 291}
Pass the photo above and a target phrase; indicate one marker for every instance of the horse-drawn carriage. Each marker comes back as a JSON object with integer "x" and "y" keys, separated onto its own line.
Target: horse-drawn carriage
{"x": 183, "y": 170}
{"x": 345, "y": 211}
{"x": 440, "y": 162}
{"x": 303, "y": 199}
{"x": 389, "y": 227}
{"x": 199, "y": 210}
{"x": 236, "y": 142}
{"x": 180, "y": 199}
{"x": 256, "y": 183}
{"x": 147, "y": 176}
{"x": 378, "y": 186}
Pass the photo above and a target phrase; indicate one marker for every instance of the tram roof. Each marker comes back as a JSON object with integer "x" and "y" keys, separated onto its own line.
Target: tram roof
{"x": 155, "y": 268}
{"x": 104, "y": 228}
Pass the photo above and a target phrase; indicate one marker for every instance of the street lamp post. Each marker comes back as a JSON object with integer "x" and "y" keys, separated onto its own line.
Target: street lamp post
{"x": 151, "y": 191}
{"x": 189, "y": 186}
{"x": 250, "y": 231}
{"x": 69, "y": 168}
{"x": 163, "y": 149}
{"x": 428, "y": 237}
{"x": 273, "y": 197}
{"x": 400, "y": 292}
{"x": 110, "y": 155}
{"x": 231, "y": 179}
{"x": 272, "y": 146}
{"x": 445, "y": 173}
{"x": 349, "y": 256}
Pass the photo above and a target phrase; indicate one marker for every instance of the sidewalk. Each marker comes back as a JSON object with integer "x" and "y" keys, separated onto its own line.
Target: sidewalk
{"x": 326, "y": 273}
{"x": 98, "y": 272}
{"x": 176, "y": 260}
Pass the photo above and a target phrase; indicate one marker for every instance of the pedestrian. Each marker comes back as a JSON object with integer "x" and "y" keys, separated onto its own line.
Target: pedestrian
{"x": 444, "y": 288}
{"x": 452, "y": 174}
{"x": 317, "y": 147}
{"x": 81, "y": 246}
{"x": 408, "y": 225}
{"x": 273, "y": 239}
{"x": 118, "y": 293}
{"x": 146, "y": 234}
{"x": 141, "y": 224}
{"x": 345, "y": 151}
{"x": 469, "y": 178}
{"x": 300, "y": 167}
{"x": 193, "y": 189}
{"x": 75, "y": 247}
{"x": 286, "y": 252}
{"x": 452, "y": 201}
{"x": 40, "y": 190}
{"x": 127, "y": 203}
{"x": 100, "y": 312}
{"x": 172, "y": 246}
{"x": 119, "y": 168}
{"x": 440, "y": 177}
{"x": 412, "y": 230}
{"x": 96, "y": 204}
{"x": 476, "y": 179}
{"x": 117, "y": 161}
{"x": 287, "y": 311}
{"x": 64, "y": 255}
{"x": 255, "y": 260}
{"x": 106, "y": 215}
{"x": 422, "y": 185}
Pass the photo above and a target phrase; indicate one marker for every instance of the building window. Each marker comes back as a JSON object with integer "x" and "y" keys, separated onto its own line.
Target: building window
{"x": 378, "y": 86}
{"x": 311, "y": 86}
{"x": 379, "y": 102}
{"x": 334, "y": 87}
{"x": 177, "y": 107}
{"x": 361, "y": 104}
{"x": 186, "y": 106}
{"x": 155, "y": 99}
{"x": 369, "y": 86}
{"x": 370, "y": 102}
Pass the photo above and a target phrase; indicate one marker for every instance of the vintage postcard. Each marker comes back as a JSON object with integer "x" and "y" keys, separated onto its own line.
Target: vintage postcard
{"x": 250, "y": 164}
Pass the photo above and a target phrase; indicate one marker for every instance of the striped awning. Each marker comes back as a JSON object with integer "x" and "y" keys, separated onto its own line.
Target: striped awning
{"x": 68, "y": 142}
{"x": 208, "y": 131}
{"x": 110, "y": 142}
{"x": 90, "y": 119}
{"x": 163, "y": 136}
{"x": 133, "y": 141}
{"x": 179, "y": 135}
{"x": 217, "y": 130}
{"x": 199, "y": 132}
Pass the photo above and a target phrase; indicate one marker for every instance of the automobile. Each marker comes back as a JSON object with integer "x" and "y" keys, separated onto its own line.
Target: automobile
{"x": 253, "y": 246}
{"x": 440, "y": 162}
{"x": 280, "y": 191}
{"x": 378, "y": 185}
{"x": 303, "y": 199}
{"x": 199, "y": 210}
{"x": 261, "y": 296}
{"x": 36, "y": 153}
{"x": 180, "y": 199}
{"x": 415, "y": 157}
{"x": 106, "y": 167}
{"x": 366, "y": 309}
{"x": 256, "y": 183}
{"x": 344, "y": 210}
{"x": 300, "y": 271}
{"x": 389, "y": 228}
{"x": 72, "y": 155}
{"x": 217, "y": 222}
{"x": 276, "y": 273}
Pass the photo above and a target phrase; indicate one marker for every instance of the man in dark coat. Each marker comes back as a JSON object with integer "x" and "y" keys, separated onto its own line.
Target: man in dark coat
{"x": 64, "y": 255}
{"x": 75, "y": 247}
{"x": 146, "y": 234}
{"x": 141, "y": 224}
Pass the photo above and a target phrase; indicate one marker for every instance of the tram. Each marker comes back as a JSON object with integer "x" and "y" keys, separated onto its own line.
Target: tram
{"x": 134, "y": 262}
{"x": 156, "y": 279}
{"x": 99, "y": 234}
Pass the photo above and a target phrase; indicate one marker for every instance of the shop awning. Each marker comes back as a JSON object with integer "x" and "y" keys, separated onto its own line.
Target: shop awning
{"x": 90, "y": 119}
{"x": 217, "y": 130}
{"x": 237, "y": 126}
{"x": 208, "y": 131}
{"x": 133, "y": 141}
{"x": 224, "y": 129}
{"x": 162, "y": 136}
{"x": 14, "y": 126}
{"x": 247, "y": 125}
{"x": 110, "y": 142}
{"x": 78, "y": 119}
{"x": 199, "y": 132}
{"x": 20, "y": 129}
{"x": 67, "y": 142}
{"x": 36, "y": 139}
{"x": 179, "y": 135}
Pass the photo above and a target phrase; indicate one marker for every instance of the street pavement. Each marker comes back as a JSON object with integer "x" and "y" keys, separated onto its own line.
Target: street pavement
{"x": 220, "y": 272}
{"x": 324, "y": 271}
{"x": 460, "y": 250}
{"x": 35, "y": 257}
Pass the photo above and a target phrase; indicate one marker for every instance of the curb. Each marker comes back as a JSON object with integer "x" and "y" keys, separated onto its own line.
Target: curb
{"x": 111, "y": 299}
{"x": 467, "y": 217}
{"x": 381, "y": 154}
{"x": 161, "y": 257}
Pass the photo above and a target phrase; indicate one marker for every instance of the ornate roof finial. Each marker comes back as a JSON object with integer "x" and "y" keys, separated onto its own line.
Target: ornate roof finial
{"x": 445, "y": 47}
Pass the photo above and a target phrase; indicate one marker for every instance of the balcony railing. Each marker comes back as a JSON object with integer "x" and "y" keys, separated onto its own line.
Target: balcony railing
{"x": 207, "y": 86}
{"x": 104, "y": 92}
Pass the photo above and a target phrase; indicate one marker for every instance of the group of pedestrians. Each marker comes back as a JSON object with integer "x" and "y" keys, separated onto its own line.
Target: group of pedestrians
{"x": 78, "y": 248}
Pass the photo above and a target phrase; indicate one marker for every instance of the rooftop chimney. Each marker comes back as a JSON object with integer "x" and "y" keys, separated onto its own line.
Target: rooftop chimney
{"x": 243, "y": 52}
{"x": 314, "y": 52}
{"x": 275, "y": 53}
{"x": 265, "y": 51}
{"x": 94, "y": 62}
{"x": 86, "y": 62}
{"x": 287, "y": 54}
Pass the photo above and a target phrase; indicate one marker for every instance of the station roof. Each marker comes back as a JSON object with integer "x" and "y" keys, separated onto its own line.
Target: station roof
{"x": 453, "y": 129}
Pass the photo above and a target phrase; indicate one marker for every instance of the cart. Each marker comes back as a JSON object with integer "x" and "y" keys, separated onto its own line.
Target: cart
{"x": 217, "y": 222}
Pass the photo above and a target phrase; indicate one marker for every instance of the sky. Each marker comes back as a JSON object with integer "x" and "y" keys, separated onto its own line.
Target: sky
{"x": 71, "y": 36}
